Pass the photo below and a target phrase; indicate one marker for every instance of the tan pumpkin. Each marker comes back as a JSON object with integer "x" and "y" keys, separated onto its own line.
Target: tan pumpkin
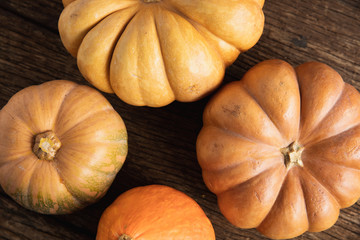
{"x": 152, "y": 52}
{"x": 62, "y": 145}
{"x": 281, "y": 148}
{"x": 154, "y": 212}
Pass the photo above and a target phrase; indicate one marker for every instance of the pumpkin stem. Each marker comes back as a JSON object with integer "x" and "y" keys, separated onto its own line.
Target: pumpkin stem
{"x": 125, "y": 237}
{"x": 292, "y": 155}
{"x": 46, "y": 145}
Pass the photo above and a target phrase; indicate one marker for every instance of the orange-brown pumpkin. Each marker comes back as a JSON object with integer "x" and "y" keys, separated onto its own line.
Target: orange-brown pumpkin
{"x": 152, "y": 52}
{"x": 154, "y": 212}
{"x": 280, "y": 148}
{"x": 61, "y": 146}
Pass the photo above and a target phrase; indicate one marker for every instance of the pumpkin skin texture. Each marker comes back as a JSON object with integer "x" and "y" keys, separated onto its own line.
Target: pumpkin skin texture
{"x": 154, "y": 212}
{"x": 152, "y": 52}
{"x": 62, "y": 145}
{"x": 280, "y": 148}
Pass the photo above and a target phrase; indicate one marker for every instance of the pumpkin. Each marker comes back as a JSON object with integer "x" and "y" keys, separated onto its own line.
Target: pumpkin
{"x": 62, "y": 145}
{"x": 280, "y": 148}
{"x": 154, "y": 212}
{"x": 152, "y": 52}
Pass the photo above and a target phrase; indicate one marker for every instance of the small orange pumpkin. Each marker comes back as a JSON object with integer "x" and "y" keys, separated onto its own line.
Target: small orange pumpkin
{"x": 280, "y": 148}
{"x": 154, "y": 212}
{"x": 152, "y": 52}
{"x": 62, "y": 145}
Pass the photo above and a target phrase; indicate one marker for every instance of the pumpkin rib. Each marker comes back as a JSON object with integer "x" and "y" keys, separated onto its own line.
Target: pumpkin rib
{"x": 88, "y": 117}
{"x": 231, "y": 44}
{"x": 348, "y": 104}
{"x": 90, "y": 168}
{"x": 339, "y": 166}
{"x": 229, "y": 186}
{"x": 137, "y": 66}
{"x": 236, "y": 164}
{"x": 236, "y": 134}
{"x": 308, "y": 202}
{"x": 329, "y": 110}
{"x": 325, "y": 115}
{"x": 190, "y": 20}
{"x": 236, "y": 118}
{"x": 62, "y": 104}
{"x": 4, "y": 110}
{"x": 162, "y": 56}
{"x": 228, "y": 210}
{"x": 266, "y": 114}
{"x": 59, "y": 181}
{"x": 334, "y": 163}
{"x": 333, "y": 136}
{"x": 65, "y": 184}
{"x": 325, "y": 188}
{"x": 93, "y": 81}
{"x": 200, "y": 72}
{"x": 15, "y": 158}
{"x": 121, "y": 33}
{"x": 29, "y": 182}
{"x": 193, "y": 23}
{"x": 281, "y": 199}
{"x": 14, "y": 163}
{"x": 141, "y": 91}
{"x": 87, "y": 30}
{"x": 250, "y": 179}
{"x": 72, "y": 190}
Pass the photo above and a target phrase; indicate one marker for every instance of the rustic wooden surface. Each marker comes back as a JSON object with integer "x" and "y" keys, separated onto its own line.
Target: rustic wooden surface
{"x": 162, "y": 141}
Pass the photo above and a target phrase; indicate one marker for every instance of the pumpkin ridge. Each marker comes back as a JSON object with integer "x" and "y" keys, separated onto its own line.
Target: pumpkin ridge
{"x": 334, "y": 109}
{"x": 315, "y": 127}
{"x": 261, "y": 107}
{"x": 14, "y": 162}
{"x": 162, "y": 56}
{"x": 4, "y": 110}
{"x": 193, "y": 23}
{"x": 337, "y": 164}
{"x": 238, "y": 165}
{"x": 310, "y": 144}
{"x": 74, "y": 190}
{"x": 283, "y": 188}
{"x": 89, "y": 116}
{"x": 120, "y": 35}
{"x": 251, "y": 178}
{"x": 303, "y": 186}
{"x": 190, "y": 20}
{"x": 28, "y": 187}
{"x": 322, "y": 185}
{"x": 15, "y": 158}
{"x": 62, "y": 105}
{"x": 239, "y": 135}
{"x": 64, "y": 183}
{"x": 92, "y": 26}
{"x": 117, "y": 38}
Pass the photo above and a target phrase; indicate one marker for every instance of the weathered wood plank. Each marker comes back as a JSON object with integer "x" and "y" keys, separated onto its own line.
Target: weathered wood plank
{"x": 162, "y": 141}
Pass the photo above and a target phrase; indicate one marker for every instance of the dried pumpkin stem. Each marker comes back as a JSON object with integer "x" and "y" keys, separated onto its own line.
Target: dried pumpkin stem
{"x": 125, "y": 237}
{"x": 292, "y": 155}
{"x": 46, "y": 145}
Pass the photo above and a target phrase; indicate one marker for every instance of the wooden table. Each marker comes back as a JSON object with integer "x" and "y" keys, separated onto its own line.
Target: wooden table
{"x": 162, "y": 141}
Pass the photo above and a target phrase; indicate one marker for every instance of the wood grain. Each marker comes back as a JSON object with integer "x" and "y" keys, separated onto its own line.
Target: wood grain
{"x": 162, "y": 141}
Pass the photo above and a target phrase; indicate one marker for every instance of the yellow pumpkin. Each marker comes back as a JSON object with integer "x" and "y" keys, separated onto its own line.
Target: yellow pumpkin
{"x": 152, "y": 52}
{"x": 61, "y": 146}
